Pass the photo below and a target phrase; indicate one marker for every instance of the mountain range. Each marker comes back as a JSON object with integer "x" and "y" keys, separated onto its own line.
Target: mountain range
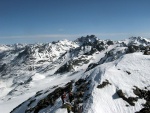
{"x": 105, "y": 76}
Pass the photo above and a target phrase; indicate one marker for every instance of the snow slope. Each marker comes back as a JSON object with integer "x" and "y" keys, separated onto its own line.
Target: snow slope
{"x": 106, "y": 100}
{"x": 29, "y": 73}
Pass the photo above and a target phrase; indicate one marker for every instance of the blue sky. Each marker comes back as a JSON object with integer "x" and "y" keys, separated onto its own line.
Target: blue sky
{"x": 31, "y": 21}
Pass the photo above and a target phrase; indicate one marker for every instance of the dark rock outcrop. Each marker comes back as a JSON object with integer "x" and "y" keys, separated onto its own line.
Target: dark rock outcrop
{"x": 146, "y": 52}
{"x": 104, "y": 83}
{"x": 133, "y": 48}
{"x": 110, "y": 42}
{"x": 143, "y": 94}
{"x": 27, "y": 51}
{"x": 2, "y": 67}
{"x": 65, "y": 68}
{"x": 130, "y": 100}
{"x": 128, "y": 72}
{"x": 80, "y": 81}
{"x": 91, "y": 66}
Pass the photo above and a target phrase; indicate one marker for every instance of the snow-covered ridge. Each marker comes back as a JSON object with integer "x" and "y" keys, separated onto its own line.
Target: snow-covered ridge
{"x": 137, "y": 41}
{"x": 29, "y": 73}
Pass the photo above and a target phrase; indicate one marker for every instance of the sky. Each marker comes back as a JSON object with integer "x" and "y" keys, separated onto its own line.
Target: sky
{"x": 32, "y": 21}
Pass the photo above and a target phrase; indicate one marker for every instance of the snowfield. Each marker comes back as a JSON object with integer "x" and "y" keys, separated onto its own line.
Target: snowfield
{"x": 106, "y": 100}
{"x": 30, "y": 74}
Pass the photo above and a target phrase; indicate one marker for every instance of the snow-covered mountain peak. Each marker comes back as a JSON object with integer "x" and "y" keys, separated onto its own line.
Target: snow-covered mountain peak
{"x": 138, "y": 41}
{"x": 87, "y": 40}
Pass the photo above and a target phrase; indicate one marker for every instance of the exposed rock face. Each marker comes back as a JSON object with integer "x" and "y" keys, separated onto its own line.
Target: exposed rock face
{"x": 80, "y": 81}
{"x": 25, "y": 53}
{"x": 69, "y": 66}
{"x": 2, "y": 68}
{"x": 133, "y": 48}
{"x": 88, "y": 40}
{"x": 65, "y": 68}
{"x": 130, "y": 100}
{"x": 94, "y": 43}
{"x": 91, "y": 66}
{"x": 144, "y": 110}
{"x": 128, "y": 72}
{"x": 146, "y": 52}
{"x": 145, "y": 94}
{"x": 104, "y": 83}
{"x": 110, "y": 42}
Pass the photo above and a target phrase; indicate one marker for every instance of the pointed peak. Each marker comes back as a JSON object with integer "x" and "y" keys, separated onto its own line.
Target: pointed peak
{"x": 89, "y": 39}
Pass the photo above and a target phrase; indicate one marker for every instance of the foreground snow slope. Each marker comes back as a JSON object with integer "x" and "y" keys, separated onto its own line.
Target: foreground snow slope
{"x": 106, "y": 100}
{"x": 106, "y": 72}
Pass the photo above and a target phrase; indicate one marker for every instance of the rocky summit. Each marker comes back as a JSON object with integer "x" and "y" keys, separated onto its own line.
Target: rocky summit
{"x": 104, "y": 76}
